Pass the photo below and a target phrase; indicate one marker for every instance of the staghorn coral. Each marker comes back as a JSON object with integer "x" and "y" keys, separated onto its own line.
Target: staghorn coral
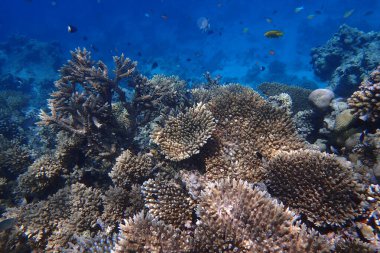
{"x": 43, "y": 174}
{"x": 167, "y": 201}
{"x": 298, "y": 94}
{"x": 130, "y": 168}
{"x": 82, "y": 103}
{"x": 346, "y": 58}
{"x": 249, "y": 132}
{"x": 316, "y": 185}
{"x": 186, "y": 133}
{"x": 234, "y": 217}
{"x": 366, "y": 102}
{"x": 143, "y": 233}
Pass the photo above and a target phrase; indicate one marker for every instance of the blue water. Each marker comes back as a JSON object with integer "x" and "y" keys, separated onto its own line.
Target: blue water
{"x": 166, "y": 32}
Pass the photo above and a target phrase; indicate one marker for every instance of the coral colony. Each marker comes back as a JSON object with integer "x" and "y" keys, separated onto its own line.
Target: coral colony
{"x": 212, "y": 168}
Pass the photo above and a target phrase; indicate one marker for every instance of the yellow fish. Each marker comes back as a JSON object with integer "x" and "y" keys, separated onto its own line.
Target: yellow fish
{"x": 348, "y": 13}
{"x": 310, "y": 17}
{"x": 273, "y": 34}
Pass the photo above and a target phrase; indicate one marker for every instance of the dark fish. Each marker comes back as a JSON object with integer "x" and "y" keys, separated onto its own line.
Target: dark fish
{"x": 259, "y": 155}
{"x": 139, "y": 53}
{"x": 7, "y": 224}
{"x": 85, "y": 38}
{"x": 262, "y": 68}
{"x": 94, "y": 48}
{"x": 368, "y": 13}
{"x": 129, "y": 43}
{"x": 363, "y": 135}
{"x": 334, "y": 150}
{"x": 188, "y": 59}
{"x": 318, "y": 12}
{"x": 154, "y": 65}
{"x": 71, "y": 29}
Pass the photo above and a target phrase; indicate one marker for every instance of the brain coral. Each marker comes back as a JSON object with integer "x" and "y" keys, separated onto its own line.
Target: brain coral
{"x": 186, "y": 133}
{"x": 366, "y": 101}
{"x": 130, "y": 168}
{"x": 235, "y": 217}
{"x": 249, "y": 132}
{"x": 316, "y": 185}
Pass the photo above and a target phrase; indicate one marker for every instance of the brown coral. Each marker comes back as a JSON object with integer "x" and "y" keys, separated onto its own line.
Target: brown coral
{"x": 130, "y": 168}
{"x": 366, "y": 102}
{"x": 41, "y": 175}
{"x": 167, "y": 201}
{"x": 143, "y": 233}
{"x": 249, "y": 132}
{"x": 186, "y": 133}
{"x": 234, "y": 217}
{"x": 316, "y": 185}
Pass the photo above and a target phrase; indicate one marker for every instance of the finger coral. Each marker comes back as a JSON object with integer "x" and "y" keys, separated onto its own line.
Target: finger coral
{"x": 234, "y": 217}
{"x": 316, "y": 185}
{"x": 130, "y": 168}
{"x": 248, "y": 133}
{"x": 366, "y": 102}
{"x": 169, "y": 202}
{"x": 186, "y": 133}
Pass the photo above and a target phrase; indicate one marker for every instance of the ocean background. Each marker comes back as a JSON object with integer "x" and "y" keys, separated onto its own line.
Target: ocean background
{"x": 166, "y": 32}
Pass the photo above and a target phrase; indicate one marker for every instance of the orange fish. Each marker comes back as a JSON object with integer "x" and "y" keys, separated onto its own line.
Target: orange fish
{"x": 272, "y": 52}
{"x": 164, "y": 17}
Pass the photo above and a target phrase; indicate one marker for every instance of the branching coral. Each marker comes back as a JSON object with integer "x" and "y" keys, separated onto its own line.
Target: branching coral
{"x": 82, "y": 102}
{"x": 186, "y": 133}
{"x": 316, "y": 185}
{"x": 234, "y": 217}
{"x": 130, "y": 168}
{"x": 249, "y": 132}
{"x": 41, "y": 175}
{"x": 167, "y": 201}
{"x": 366, "y": 101}
{"x": 298, "y": 94}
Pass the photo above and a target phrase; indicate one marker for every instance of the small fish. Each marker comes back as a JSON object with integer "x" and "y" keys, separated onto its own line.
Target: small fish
{"x": 334, "y": 150}
{"x": 139, "y": 53}
{"x": 262, "y": 68}
{"x": 298, "y": 9}
{"x": 318, "y": 12}
{"x": 363, "y": 135}
{"x": 85, "y": 38}
{"x": 311, "y": 16}
{"x": 365, "y": 117}
{"x": 245, "y": 30}
{"x": 53, "y": 3}
{"x": 269, "y": 20}
{"x": 273, "y": 34}
{"x": 368, "y": 13}
{"x": 7, "y": 224}
{"x": 164, "y": 17}
{"x": 147, "y": 15}
{"x": 71, "y": 29}
{"x": 154, "y": 65}
{"x": 188, "y": 59}
{"x": 272, "y": 52}
{"x": 259, "y": 155}
{"x": 347, "y": 14}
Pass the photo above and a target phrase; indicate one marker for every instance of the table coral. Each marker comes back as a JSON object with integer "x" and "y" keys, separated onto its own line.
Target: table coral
{"x": 316, "y": 185}
{"x": 366, "y": 102}
{"x": 183, "y": 135}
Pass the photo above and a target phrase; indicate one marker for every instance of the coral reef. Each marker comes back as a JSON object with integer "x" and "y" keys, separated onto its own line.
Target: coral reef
{"x": 82, "y": 103}
{"x": 346, "y": 58}
{"x": 183, "y": 135}
{"x": 366, "y": 102}
{"x": 298, "y": 94}
{"x": 315, "y": 184}
{"x": 321, "y": 98}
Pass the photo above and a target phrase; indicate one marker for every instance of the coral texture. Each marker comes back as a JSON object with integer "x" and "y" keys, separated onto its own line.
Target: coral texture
{"x": 186, "y": 133}
{"x": 130, "y": 169}
{"x": 249, "y": 132}
{"x": 316, "y": 185}
{"x": 346, "y": 58}
{"x": 366, "y": 102}
{"x": 298, "y": 94}
{"x": 168, "y": 201}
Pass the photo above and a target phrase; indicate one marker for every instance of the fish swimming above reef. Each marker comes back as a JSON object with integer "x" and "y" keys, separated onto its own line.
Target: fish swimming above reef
{"x": 274, "y": 34}
{"x": 71, "y": 29}
{"x": 348, "y": 14}
{"x": 7, "y": 224}
{"x": 298, "y": 9}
